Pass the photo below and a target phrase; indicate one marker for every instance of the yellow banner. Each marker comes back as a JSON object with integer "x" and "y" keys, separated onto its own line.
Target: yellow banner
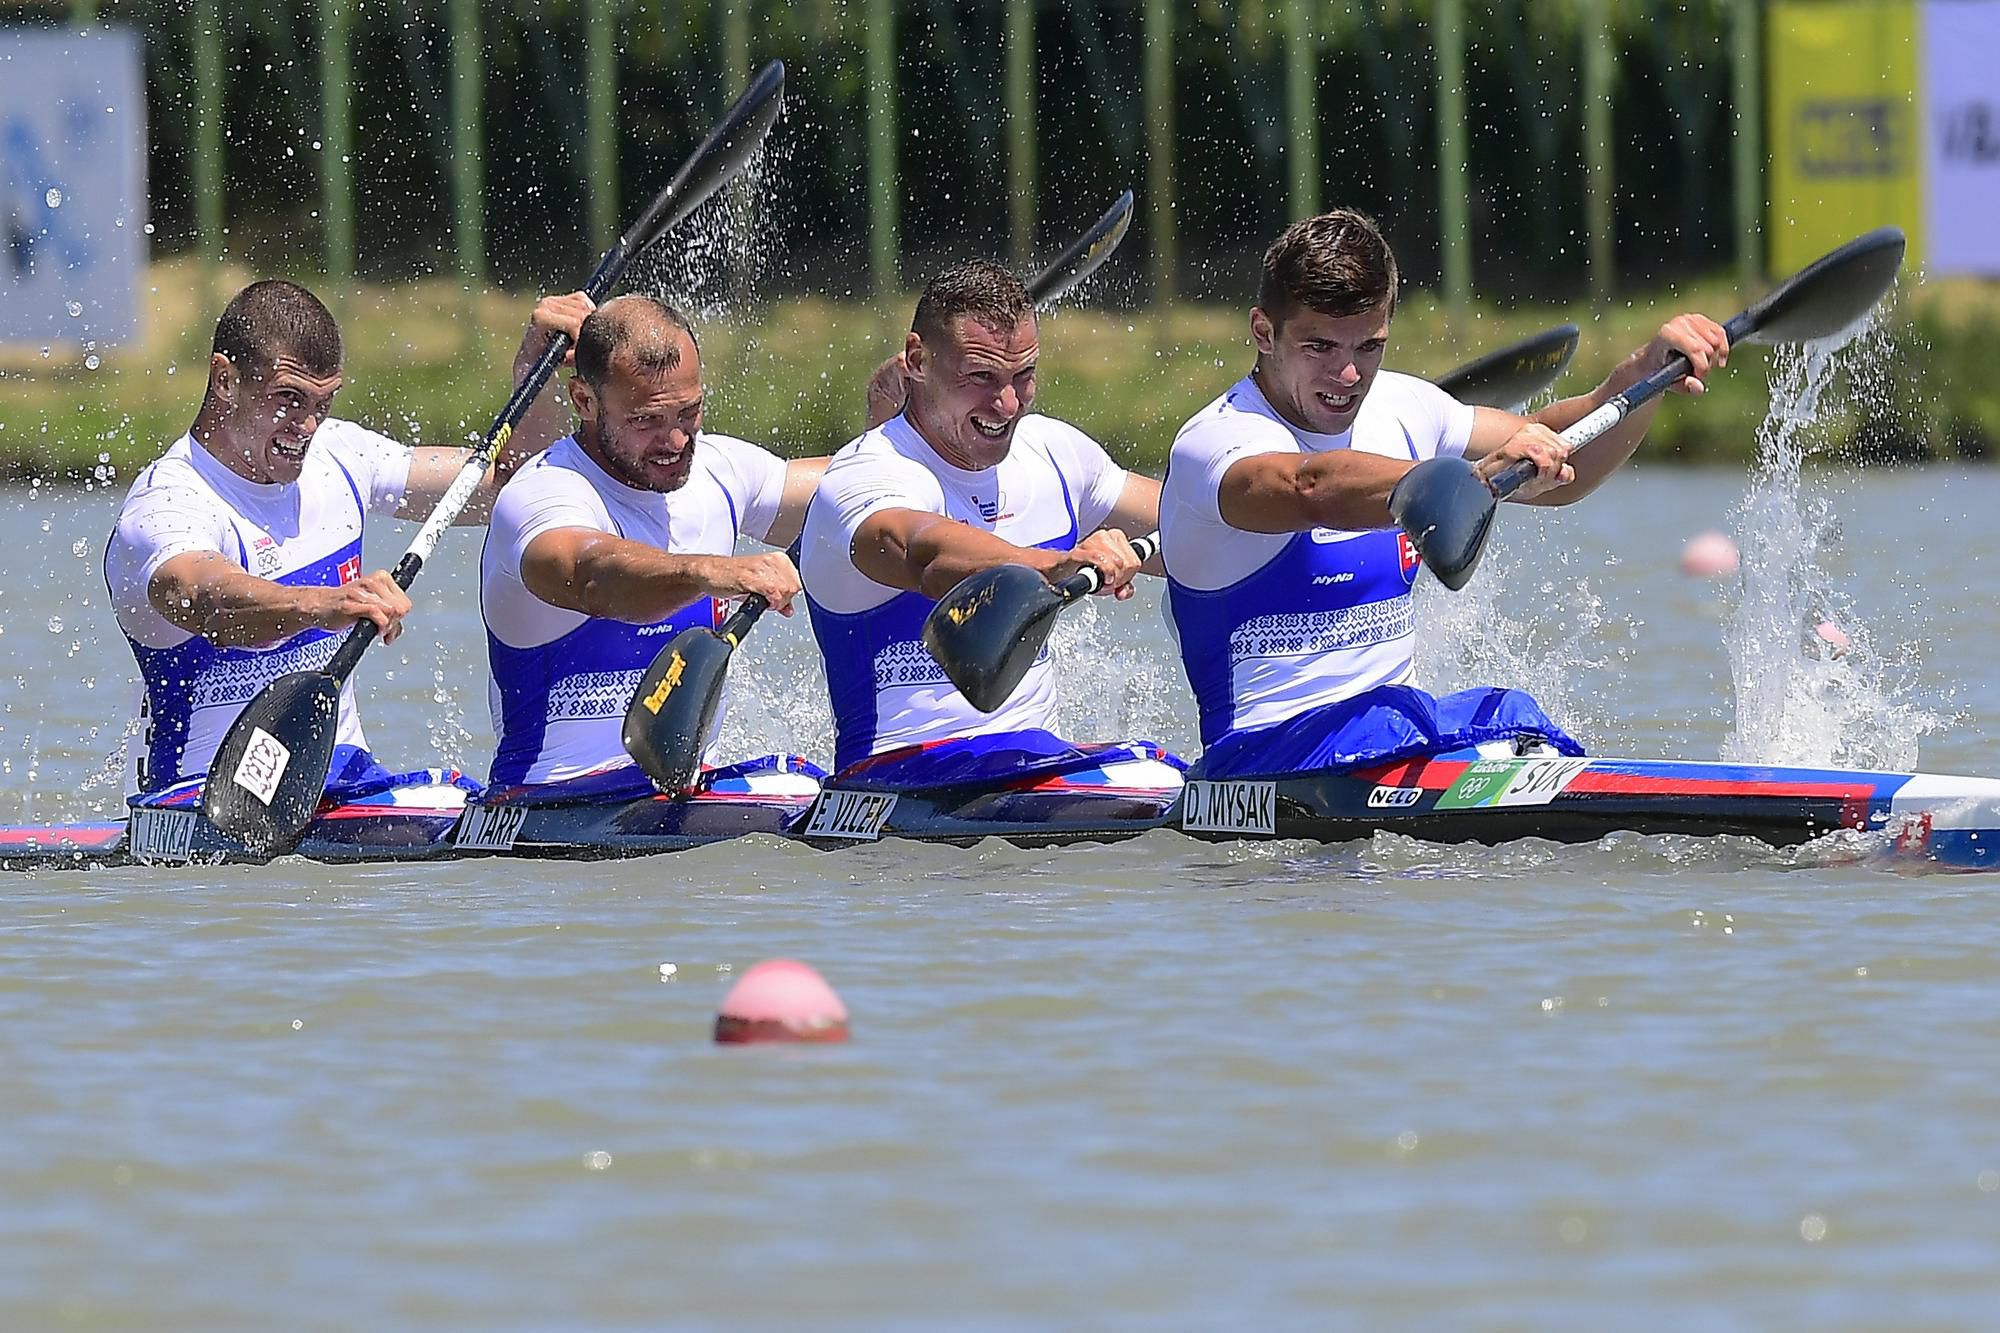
{"x": 1846, "y": 139}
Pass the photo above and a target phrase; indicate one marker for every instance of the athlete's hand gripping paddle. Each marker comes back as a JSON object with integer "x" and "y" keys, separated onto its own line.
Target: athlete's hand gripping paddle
{"x": 1446, "y": 507}
{"x": 666, "y": 726}
{"x": 271, "y": 770}
{"x": 987, "y": 631}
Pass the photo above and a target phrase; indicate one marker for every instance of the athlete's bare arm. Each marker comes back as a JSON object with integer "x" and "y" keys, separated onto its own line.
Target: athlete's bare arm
{"x": 1138, "y": 510}
{"x": 1697, "y": 337}
{"x": 582, "y": 569}
{"x": 801, "y": 480}
{"x": 930, "y": 554}
{"x": 207, "y": 594}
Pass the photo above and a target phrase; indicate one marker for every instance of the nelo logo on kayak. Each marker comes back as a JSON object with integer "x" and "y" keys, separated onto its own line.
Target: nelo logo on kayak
{"x": 1394, "y": 798}
{"x": 1230, "y": 807}
{"x": 858, "y": 815}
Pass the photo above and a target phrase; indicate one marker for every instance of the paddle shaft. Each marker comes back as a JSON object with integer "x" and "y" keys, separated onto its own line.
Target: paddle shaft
{"x": 1740, "y": 329}
{"x": 1090, "y": 578}
{"x": 668, "y": 207}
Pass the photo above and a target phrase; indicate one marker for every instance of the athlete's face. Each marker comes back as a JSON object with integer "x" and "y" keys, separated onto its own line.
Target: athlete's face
{"x": 1315, "y": 368}
{"x": 642, "y": 427}
{"x": 968, "y": 391}
{"x": 268, "y": 420}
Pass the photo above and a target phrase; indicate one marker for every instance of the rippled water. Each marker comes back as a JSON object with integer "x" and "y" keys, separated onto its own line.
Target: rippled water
{"x": 1654, "y": 1082}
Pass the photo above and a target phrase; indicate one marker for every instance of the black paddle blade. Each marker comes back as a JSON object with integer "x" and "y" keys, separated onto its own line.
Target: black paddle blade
{"x": 987, "y": 631}
{"x": 270, "y": 773}
{"x": 1446, "y": 508}
{"x": 1511, "y": 376}
{"x": 735, "y": 138}
{"x": 666, "y": 727}
{"x": 1826, "y": 295}
{"x": 1085, "y": 254}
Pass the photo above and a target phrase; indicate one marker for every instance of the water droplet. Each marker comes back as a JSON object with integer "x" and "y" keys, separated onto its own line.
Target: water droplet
{"x": 45, "y": 354}
{"x": 297, "y": 1024}
{"x": 597, "y": 1161}
{"x": 149, "y": 229}
{"x": 80, "y": 548}
{"x": 75, "y": 309}
{"x": 53, "y": 198}
{"x": 1812, "y": 1228}
{"x": 46, "y": 525}
{"x": 55, "y": 625}
{"x": 92, "y": 362}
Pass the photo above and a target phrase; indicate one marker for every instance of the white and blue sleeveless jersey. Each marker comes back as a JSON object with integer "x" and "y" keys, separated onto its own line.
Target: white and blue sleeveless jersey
{"x": 1055, "y": 486}
{"x": 563, "y": 680}
{"x": 305, "y": 533}
{"x": 1272, "y": 624}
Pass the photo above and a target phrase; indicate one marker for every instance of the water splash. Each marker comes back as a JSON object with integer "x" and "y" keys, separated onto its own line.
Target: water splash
{"x": 1798, "y": 700}
{"x": 1479, "y": 636}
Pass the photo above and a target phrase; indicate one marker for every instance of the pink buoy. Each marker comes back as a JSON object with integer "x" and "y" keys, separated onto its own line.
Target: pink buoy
{"x": 1834, "y": 637}
{"x": 781, "y": 999}
{"x": 1709, "y": 555}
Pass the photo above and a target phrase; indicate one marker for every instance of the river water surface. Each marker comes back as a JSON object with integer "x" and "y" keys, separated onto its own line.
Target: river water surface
{"x": 1650, "y": 1083}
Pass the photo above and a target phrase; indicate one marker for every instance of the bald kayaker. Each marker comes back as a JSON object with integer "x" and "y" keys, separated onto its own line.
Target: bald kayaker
{"x": 237, "y": 553}
{"x": 1288, "y": 587}
{"x": 617, "y": 538}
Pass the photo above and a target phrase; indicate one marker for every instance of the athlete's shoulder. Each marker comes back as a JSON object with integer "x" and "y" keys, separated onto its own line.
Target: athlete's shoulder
{"x": 551, "y": 478}
{"x": 1393, "y": 388}
{"x": 1237, "y": 420}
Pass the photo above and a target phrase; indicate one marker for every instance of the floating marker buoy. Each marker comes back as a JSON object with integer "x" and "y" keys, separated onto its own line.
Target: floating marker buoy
{"x": 781, "y": 999}
{"x": 1709, "y": 555}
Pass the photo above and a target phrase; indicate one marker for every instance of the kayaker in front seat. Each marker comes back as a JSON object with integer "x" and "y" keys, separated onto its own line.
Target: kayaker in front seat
{"x": 1288, "y": 588}
{"x": 964, "y": 477}
{"x": 617, "y": 538}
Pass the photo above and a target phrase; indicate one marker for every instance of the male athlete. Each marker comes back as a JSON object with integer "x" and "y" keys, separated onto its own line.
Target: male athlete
{"x": 619, "y": 537}
{"x": 1288, "y": 588}
{"x": 963, "y": 478}
{"x": 237, "y": 555}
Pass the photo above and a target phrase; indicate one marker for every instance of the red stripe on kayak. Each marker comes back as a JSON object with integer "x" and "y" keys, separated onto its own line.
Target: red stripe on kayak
{"x": 83, "y": 837}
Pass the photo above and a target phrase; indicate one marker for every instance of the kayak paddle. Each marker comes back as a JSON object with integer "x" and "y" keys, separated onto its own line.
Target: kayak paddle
{"x": 666, "y": 726}
{"x": 270, "y": 773}
{"x": 1446, "y": 507}
{"x": 987, "y": 631}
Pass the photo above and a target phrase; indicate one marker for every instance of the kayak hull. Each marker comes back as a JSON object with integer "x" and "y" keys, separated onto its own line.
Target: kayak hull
{"x": 1923, "y": 820}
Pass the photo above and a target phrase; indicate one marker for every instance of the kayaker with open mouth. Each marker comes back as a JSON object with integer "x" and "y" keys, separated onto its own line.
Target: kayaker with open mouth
{"x": 236, "y": 558}
{"x": 617, "y": 538}
{"x": 1288, "y": 588}
{"x": 964, "y": 476}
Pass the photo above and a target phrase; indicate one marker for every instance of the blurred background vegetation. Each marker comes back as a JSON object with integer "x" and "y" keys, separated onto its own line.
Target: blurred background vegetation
{"x": 418, "y": 160}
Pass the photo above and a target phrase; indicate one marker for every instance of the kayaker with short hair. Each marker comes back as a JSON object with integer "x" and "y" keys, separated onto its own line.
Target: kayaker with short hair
{"x": 1288, "y": 588}
{"x": 618, "y": 537}
{"x": 237, "y": 554}
{"x": 964, "y": 476}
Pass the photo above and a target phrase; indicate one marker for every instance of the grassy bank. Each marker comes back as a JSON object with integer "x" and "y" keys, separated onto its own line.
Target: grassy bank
{"x": 426, "y": 363}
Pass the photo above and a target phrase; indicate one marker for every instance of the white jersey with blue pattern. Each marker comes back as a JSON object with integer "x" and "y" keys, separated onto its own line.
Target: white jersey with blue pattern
{"x": 562, "y": 680}
{"x": 1055, "y": 486}
{"x": 1273, "y": 624}
{"x": 302, "y": 533}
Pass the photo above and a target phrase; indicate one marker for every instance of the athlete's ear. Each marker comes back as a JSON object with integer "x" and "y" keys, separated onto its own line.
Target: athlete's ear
{"x": 1263, "y": 332}
{"x": 582, "y": 398}
{"x": 222, "y": 379}
{"x": 916, "y": 357}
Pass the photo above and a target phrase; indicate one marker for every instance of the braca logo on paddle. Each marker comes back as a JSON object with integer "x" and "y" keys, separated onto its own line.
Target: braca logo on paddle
{"x": 1230, "y": 807}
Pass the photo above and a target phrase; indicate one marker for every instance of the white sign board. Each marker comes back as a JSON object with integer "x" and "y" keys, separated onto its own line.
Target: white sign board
{"x": 72, "y": 185}
{"x": 1962, "y": 139}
